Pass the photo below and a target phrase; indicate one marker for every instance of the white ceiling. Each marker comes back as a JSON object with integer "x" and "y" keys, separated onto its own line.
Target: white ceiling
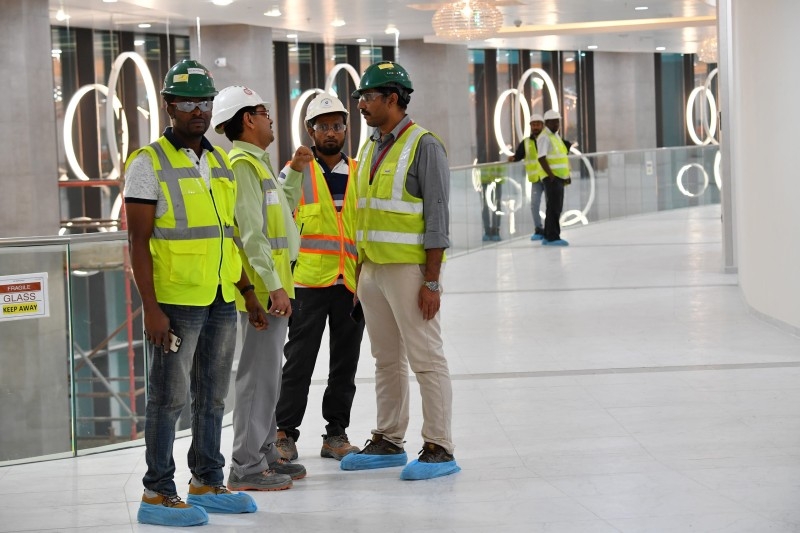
{"x": 611, "y": 25}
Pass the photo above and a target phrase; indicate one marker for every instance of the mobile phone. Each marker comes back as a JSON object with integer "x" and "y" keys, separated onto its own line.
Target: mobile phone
{"x": 357, "y": 314}
{"x": 174, "y": 342}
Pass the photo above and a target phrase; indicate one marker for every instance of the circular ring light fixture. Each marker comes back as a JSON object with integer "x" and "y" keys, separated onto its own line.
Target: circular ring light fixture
{"x": 69, "y": 118}
{"x": 679, "y": 180}
{"x": 521, "y": 105}
{"x": 152, "y": 104}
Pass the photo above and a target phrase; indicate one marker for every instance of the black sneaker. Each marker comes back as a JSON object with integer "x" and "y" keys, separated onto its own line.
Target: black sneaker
{"x": 377, "y": 445}
{"x": 433, "y": 453}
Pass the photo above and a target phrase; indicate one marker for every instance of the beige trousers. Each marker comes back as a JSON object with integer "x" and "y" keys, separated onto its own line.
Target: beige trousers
{"x": 400, "y": 339}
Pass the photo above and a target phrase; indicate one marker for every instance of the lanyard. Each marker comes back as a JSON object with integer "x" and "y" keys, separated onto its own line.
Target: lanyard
{"x": 385, "y": 150}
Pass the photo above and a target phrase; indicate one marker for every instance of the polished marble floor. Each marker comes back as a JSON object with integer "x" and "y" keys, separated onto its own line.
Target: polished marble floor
{"x": 618, "y": 385}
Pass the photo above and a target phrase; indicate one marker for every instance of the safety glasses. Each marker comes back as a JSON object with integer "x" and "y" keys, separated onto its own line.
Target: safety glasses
{"x": 188, "y": 107}
{"x": 325, "y": 128}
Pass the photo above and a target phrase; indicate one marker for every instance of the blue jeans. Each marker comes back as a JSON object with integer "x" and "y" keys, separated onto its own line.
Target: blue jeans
{"x": 536, "y": 199}
{"x": 201, "y": 365}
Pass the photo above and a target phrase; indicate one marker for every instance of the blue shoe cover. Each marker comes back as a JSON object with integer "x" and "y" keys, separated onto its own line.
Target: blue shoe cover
{"x": 487, "y": 238}
{"x": 171, "y": 516}
{"x": 363, "y": 461}
{"x": 416, "y": 470}
{"x": 232, "y": 503}
{"x": 557, "y": 242}
{"x": 537, "y": 237}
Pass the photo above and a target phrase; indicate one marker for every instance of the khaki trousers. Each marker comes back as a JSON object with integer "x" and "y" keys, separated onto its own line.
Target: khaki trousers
{"x": 400, "y": 339}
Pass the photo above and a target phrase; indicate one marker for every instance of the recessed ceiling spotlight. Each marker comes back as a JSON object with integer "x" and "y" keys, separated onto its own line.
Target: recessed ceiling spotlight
{"x": 145, "y": 25}
{"x": 61, "y": 15}
{"x": 220, "y": 2}
{"x": 362, "y": 40}
{"x": 592, "y": 47}
{"x": 641, "y": 8}
{"x": 337, "y": 22}
{"x": 291, "y": 36}
{"x": 660, "y": 48}
{"x": 109, "y": 1}
{"x": 274, "y": 12}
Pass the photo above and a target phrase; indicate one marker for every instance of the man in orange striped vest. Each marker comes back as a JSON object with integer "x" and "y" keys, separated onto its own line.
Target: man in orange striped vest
{"x": 324, "y": 277}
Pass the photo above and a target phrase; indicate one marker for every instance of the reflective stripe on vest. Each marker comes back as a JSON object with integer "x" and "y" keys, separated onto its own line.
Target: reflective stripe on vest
{"x": 557, "y": 156}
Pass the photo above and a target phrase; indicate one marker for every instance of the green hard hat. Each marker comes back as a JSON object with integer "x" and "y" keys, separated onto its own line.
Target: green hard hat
{"x": 189, "y": 78}
{"x": 383, "y": 74}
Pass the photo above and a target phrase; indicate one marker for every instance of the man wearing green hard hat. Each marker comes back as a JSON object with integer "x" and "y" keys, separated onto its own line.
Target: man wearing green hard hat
{"x": 179, "y": 201}
{"x": 402, "y": 231}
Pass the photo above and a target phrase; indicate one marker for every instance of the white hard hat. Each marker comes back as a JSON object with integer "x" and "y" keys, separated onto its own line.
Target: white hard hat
{"x": 537, "y": 117}
{"x": 229, "y": 101}
{"x": 323, "y": 104}
{"x": 552, "y": 114}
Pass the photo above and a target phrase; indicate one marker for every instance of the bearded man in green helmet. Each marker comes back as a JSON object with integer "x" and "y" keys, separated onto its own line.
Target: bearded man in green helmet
{"x": 179, "y": 199}
{"x": 402, "y": 230}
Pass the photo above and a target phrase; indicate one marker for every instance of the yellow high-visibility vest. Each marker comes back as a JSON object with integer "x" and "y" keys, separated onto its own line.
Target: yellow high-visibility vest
{"x": 192, "y": 243}
{"x": 390, "y": 226}
{"x": 557, "y": 156}
{"x": 327, "y": 236}
{"x": 533, "y": 168}
{"x": 273, "y": 228}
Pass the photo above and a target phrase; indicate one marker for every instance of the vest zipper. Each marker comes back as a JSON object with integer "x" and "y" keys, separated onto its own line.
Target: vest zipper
{"x": 221, "y": 234}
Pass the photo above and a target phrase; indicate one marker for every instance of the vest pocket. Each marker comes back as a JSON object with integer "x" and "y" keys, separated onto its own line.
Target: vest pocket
{"x": 309, "y": 219}
{"x": 188, "y": 265}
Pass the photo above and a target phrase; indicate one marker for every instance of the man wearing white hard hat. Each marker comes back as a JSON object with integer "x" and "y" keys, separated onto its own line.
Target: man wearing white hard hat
{"x": 324, "y": 278}
{"x": 527, "y": 151}
{"x": 554, "y": 161}
{"x": 268, "y": 241}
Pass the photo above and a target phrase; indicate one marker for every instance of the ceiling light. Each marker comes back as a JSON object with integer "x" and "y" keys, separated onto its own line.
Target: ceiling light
{"x": 337, "y": 23}
{"x": 109, "y": 1}
{"x": 592, "y": 47}
{"x": 362, "y": 40}
{"x": 144, "y": 25}
{"x": 221, "y": 2}
{"x": 641, "y": 8}
{"x": 138, "y": 42}
{"x": 61, "y": 16}
{"x": 366, "y": 52}
{"x": 660, "y": 48}
{"x": 467, "y": 20}
{"x": 291, "y": 36}
{"x": 274, "y": 12}
{"x": 391, "y": 29}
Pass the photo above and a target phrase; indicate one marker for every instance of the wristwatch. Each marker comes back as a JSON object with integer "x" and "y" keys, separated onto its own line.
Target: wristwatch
{"x": 432, "y": 285}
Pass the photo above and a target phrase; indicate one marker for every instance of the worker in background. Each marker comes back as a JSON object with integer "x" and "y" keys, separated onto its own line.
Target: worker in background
{"x": 555, "y": 164}
{"x": 527, "y": 151}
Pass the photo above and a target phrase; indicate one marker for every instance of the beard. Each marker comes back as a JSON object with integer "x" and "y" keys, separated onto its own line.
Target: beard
{"x": 330, "y": 149}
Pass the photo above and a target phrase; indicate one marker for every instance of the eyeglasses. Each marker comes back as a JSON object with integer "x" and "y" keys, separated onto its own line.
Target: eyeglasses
{"x": 265, "y": 113}
{"x": 325, "y": 128}
{"x": 188, "y": 107}
{"x": 369, "y": 97}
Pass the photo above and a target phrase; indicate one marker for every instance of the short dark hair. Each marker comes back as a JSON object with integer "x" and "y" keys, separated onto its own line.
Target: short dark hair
{"x": 235, "y": 126}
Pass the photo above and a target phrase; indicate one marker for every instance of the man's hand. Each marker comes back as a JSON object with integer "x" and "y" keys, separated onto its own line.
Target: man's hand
{"x": 302, "y": 157}
{"x": 429, "y": 302}
{"x": 281, "y": 304}
{"x": 255, "y": 312}
{"x": 156, "y": 327}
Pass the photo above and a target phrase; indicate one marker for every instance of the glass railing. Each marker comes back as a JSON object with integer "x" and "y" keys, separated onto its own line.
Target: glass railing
{"x": 73, "y": 378}
{"x": 607, "y": 185}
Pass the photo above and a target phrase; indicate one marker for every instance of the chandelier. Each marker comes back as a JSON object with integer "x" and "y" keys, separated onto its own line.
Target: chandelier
{"x": 467, "y": 20}
{"x": 707, "y": 51}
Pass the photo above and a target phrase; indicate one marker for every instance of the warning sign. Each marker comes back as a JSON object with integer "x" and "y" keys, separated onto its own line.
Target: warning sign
{"x": 23, "y": 296}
